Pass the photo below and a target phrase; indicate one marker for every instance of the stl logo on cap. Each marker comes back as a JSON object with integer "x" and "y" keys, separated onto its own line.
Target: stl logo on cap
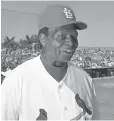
{"x": 68, "y": 13}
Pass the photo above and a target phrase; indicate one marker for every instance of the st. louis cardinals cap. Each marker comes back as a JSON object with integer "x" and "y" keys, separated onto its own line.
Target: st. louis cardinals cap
{"x": 56, "y": 15}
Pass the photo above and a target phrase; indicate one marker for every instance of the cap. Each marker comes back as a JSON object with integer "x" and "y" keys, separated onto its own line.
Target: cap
{"x": 56, "y": 15}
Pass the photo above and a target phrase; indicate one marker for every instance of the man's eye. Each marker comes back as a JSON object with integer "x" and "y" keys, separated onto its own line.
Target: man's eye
{"x": 61, "y": 36}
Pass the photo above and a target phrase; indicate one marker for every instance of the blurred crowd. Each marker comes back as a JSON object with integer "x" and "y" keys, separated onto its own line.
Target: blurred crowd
{"x": 94, "y": 57}
{"x": 11, "y": 59}
{"x": 83, "y": 57}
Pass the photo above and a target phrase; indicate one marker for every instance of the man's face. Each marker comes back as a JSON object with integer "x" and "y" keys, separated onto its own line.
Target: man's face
{"x": 62, "y": 43}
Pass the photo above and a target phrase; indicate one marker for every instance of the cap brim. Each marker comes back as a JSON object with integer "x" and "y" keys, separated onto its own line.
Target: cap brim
{"x": 80, "y": 25}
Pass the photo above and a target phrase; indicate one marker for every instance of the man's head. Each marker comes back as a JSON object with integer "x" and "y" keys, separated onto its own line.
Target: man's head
{"x": 58, "y": 34}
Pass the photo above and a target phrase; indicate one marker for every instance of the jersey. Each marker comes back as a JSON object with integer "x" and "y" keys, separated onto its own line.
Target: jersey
{"x": 29, "y": 92}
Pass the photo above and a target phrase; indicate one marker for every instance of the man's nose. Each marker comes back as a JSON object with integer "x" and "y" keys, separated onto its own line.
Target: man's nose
{"x": 69, "y": 40}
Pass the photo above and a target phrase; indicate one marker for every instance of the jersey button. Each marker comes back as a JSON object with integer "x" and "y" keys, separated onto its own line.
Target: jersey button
{"x": 60, "y": 86}
{"x": 65, "y": 108}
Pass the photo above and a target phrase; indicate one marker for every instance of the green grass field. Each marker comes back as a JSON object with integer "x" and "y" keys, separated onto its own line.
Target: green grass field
{"x": 105, "y": 97}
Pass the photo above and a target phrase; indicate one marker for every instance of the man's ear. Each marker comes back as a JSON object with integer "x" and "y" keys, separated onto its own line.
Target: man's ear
{"x": 43, "y": 39}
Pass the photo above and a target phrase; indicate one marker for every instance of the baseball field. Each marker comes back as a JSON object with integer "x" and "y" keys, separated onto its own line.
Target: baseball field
{"x": 105, "y": 96}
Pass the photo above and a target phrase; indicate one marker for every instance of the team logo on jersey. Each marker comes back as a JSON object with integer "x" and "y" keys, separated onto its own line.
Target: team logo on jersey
{"x": 79, "y": 116}
{"x": 68, "y": 13}
{"x": 82, "y": 105}
{"x": 42, "y": 115}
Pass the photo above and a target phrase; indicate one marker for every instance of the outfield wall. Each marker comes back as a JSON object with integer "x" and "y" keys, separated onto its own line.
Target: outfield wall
{"x": 100, "y": 72}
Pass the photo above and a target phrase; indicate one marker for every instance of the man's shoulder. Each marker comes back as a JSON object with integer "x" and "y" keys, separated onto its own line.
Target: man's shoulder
{"x": 81, "y": 76}
{"x": 29, "y": 64}
{"x": 77, "y": 70}
{"x": 26, "y": 67}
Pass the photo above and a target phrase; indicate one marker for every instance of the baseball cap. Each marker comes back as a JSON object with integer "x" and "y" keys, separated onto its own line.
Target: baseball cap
{"x": 58, "y": 15}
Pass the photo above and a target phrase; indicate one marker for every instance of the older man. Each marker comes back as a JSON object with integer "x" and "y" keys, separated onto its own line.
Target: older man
{"x": 48, "y": 87}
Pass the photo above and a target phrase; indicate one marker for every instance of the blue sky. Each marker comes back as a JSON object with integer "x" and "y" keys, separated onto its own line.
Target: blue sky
{"x": 98, "y": 15}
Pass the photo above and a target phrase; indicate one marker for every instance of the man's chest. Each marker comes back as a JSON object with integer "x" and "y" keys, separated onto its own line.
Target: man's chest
{"x": 58, "y": 103}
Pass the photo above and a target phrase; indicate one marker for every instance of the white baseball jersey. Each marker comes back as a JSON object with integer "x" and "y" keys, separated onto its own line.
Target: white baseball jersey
{"x": 29, "y": 88}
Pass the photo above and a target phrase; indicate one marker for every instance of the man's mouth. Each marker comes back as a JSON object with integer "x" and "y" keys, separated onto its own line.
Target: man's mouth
{"x": 68, "y": 50}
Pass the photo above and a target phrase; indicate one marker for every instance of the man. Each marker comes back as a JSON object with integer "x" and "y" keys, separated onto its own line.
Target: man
{"x": 48, "y": 87}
